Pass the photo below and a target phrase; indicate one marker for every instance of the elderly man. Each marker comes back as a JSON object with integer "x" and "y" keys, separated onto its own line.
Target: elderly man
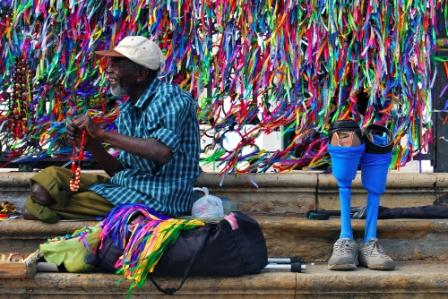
{"x": 157, "y": 133}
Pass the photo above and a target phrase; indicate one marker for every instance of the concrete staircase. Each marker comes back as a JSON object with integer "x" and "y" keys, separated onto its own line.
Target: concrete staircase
{"x": 279, "y": 203}
{"x": 408, "y": 281}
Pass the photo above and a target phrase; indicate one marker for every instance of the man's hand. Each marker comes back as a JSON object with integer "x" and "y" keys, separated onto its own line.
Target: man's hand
{"x": 94, "y": 131}
{"x": 93, "y": 144}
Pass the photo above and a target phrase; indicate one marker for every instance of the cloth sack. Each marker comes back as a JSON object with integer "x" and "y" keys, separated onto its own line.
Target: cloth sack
{"x": 71, "y": 250}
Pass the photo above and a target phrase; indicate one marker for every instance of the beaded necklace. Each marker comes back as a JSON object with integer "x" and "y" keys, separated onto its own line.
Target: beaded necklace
{"x": 78, "y": 155}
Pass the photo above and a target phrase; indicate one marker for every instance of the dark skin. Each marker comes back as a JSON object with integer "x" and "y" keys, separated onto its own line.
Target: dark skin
{"x": 135, "y": 81}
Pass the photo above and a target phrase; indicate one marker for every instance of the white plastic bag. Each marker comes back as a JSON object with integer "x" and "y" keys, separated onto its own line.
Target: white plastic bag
{"x": 208, "y": 207}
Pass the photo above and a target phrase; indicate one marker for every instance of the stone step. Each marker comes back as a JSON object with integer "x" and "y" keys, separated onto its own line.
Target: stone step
{"x": 286, "y": 194}
{"x": 409, "y": 280}
{"x": 312, "y": 240}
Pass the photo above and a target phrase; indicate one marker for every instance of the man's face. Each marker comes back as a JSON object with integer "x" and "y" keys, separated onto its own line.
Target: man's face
{"x": 122, "y": 76}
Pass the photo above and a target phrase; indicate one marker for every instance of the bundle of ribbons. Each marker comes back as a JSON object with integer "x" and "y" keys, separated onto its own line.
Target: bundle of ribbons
{"x": 144, "y": 235}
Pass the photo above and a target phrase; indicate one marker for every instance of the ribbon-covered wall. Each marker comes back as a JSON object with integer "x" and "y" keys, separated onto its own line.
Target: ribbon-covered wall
{"x": 256, "y": 67}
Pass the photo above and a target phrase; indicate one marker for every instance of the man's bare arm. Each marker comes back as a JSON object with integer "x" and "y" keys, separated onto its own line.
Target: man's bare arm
{"x": 106, "y": 161}
{"x": 148, "y": 148}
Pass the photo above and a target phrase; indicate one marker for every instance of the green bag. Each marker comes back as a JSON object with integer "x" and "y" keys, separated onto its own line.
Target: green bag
{"x": 71, "y": 250}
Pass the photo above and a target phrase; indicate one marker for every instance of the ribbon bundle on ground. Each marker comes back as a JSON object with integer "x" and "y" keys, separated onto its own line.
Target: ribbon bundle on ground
{"x": 256, "y": 67}
{"x": 144, "y": 235}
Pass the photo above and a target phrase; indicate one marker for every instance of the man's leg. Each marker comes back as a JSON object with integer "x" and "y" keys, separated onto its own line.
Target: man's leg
{"x": 83, "y": 206}
{"x": 35, "y": 211}
{"x": 50, "y": 196}
{"x": 55, "y": 181}
{"x": 86, "y": 206}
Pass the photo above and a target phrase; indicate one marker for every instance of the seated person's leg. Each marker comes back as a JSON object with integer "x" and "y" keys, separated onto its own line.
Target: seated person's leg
{"x": 50, "y": 193}
{"x": 28, "y": 216}
{"x": 85, "y": 206}
{"x": 55, "y": 180}
{"x": 36, "y": 211}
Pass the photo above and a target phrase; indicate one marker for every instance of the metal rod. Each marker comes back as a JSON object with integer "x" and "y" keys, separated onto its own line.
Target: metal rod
{"x": 293, "y": 267}
{"x": 284, "y": 260}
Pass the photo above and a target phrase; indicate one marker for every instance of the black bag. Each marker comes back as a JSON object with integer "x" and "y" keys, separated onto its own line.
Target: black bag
{"x": 226, "y": 252}
{"x": 106, "y": 257}
{"x": 211, "y": 250}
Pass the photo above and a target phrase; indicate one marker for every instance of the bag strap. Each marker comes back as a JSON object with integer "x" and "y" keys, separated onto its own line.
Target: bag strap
{"x": 171, "y": 291}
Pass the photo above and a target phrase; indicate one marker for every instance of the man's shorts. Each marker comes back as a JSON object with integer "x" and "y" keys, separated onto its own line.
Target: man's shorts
{"x": 82, "y": 205}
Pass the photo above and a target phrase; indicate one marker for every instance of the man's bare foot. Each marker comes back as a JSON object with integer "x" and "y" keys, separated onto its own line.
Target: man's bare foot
{"x": 28, "y": 216}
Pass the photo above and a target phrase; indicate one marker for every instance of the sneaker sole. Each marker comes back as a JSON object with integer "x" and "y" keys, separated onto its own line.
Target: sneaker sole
{"x": 345, "y": 266}
{"x": 342, "y": 267}
{"x": 381, "y": 267}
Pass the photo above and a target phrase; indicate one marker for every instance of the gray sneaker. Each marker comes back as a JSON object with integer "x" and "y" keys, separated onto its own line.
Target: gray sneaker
{"x": 372, "y": 256}
{"x": 344, "y": 256}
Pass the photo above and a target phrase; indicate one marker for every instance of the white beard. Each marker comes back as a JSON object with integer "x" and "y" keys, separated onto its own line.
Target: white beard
{"x": 117, "y": 91}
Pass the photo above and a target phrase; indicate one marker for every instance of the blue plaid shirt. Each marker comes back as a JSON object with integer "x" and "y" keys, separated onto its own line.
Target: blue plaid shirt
{"x": 166, "y": 113}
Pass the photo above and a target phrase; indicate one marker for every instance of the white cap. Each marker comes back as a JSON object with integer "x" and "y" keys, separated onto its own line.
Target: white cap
{"x": 138, "y": 49}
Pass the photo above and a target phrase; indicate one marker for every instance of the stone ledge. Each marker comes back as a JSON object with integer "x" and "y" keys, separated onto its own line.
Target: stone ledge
{"x": 310, "y": 179}
{"x": 395, "y": 179}
{"x": 293, "y": 193}
{"x": 403, "y": 239}
{"x": 409, "y": 280}
{"x": 388, "y": 228}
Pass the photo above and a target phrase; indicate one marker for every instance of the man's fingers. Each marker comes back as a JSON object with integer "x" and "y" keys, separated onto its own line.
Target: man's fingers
{"x": 78, "y": 118}
{"x": 72, "y": 130}
{"x": 75, "y": 125}
{"x": 71, "y": 127}
{"x": 81, "y": 122}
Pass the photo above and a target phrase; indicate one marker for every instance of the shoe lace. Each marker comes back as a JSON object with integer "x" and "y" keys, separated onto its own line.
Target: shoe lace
{"x": 344, "y": 246}
{"x": 375, "y": 249}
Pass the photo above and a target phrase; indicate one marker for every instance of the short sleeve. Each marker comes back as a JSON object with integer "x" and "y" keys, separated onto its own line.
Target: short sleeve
{"x": 173, "y": 116}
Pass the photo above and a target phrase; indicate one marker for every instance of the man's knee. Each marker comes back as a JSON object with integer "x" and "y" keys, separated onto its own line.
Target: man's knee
{"x": 53, "y": 186}
{"x": 40, "y": 195}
